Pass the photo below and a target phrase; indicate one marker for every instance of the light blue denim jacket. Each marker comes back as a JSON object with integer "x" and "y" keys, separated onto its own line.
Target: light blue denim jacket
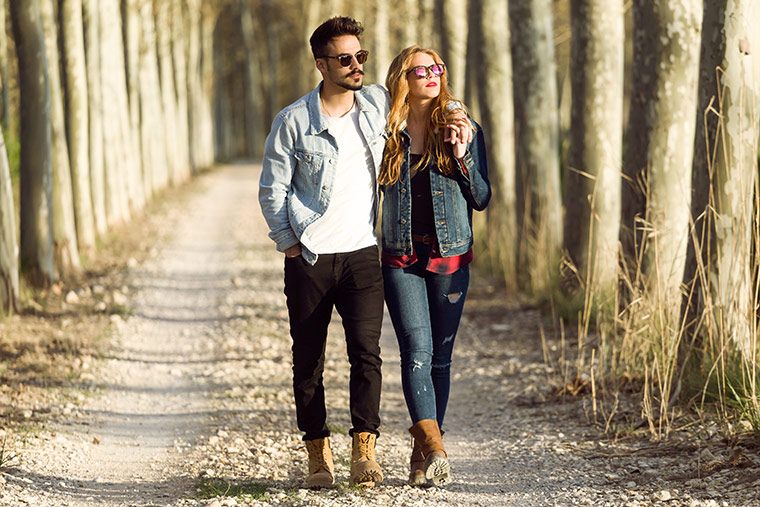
{"x": 300, "y": 159}
{"x": 454, "y": 198}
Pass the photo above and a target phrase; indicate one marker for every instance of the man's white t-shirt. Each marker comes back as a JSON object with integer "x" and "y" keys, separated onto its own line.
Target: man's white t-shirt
{"x": 348, "y": 223}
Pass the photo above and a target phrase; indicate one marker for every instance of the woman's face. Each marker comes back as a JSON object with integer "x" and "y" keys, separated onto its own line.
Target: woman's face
{"x": 423, "y": 87}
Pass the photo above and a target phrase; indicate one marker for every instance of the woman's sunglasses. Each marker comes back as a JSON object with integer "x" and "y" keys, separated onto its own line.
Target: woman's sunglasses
{"x": 437, "y": 69}
{"x": 345, "y": 59}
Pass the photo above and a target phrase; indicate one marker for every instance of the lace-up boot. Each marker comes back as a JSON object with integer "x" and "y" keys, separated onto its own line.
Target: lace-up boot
{"x": 321, "y": 469}
{"x": 364, "y": 469}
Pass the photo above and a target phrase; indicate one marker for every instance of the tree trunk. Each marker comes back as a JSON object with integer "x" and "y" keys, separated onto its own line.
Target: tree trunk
{"x": 658, "y": 155}
{"x": 727, "y": 151}
{"x": 256, "y": 130}
{"x": 411, "y": 28}
{"x": 495, "y": 91}
{"x": 65, "y": 249}
{"x": 77, "y": 120}
{"x": 95, "y": 112}
{"x": 208, "y": 20}
{"x": 539, "y": 201}
{"x": 179, "y": 39}
{"x": 36, "y": 168}
{"x": 4, "y": 72}
{"x": 152, "y": 132}
{"x": 139, "y": 193}
{"x": 451, "y": 18}
{"x": 273, "y": 63}
{"x": 166, "y": 77}
{"x": 8, "y": 245}
{"x": 592, "y": 183}
{"x": 381, "y": 59}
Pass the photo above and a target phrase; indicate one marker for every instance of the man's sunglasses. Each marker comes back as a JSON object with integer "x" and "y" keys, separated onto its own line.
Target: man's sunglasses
{"x": 437, "y": 69}
{"x": 345, "y": 59}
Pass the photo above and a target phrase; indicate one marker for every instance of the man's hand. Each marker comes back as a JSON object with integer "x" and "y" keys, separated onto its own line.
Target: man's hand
{"x": 459, "y": 134}
{"x": 293, "y": 251}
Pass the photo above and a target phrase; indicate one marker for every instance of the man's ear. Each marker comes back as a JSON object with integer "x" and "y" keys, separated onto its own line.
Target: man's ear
{"x": 321, "y": 65}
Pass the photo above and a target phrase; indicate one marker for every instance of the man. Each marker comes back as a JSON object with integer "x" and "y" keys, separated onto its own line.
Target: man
{"x": 318, "y": 192}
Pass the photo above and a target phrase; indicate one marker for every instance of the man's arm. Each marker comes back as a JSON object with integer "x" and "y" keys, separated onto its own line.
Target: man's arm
{"x": 274, "y": 185}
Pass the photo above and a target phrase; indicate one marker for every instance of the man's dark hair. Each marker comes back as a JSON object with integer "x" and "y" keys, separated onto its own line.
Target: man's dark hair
{"x": 333, "y": 27}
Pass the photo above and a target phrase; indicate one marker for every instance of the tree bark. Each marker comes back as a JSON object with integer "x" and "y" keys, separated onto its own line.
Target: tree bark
{"x": 8, "y": 245}
{"x": 139, "y": 188}
{"x": 77, "y": 120}
{"x": 256, "y": 130}
{"x": 66, "y": 253}
{"x": 179, "y": 39}
{"x": 36, "y": 168}
{"x": 381, "y": 59}
{"x": 4, "y": 71}
{"x": 497, "y": 118}
{"x": 658, "y": 153}
{"x": 451, "y": 18}
{"x": 95, "y": 112}
{"x": 166, "y": 78}
{"x": 152, "y": 132}
{"x": 725, "y": 161}
{"x": 592, "y": 183}
{"x": 539, "y": 206}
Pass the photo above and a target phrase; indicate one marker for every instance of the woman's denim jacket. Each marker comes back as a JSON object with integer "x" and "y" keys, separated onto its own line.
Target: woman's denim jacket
{"x": 454, "y": 198}
{"x": 300, "y": 158}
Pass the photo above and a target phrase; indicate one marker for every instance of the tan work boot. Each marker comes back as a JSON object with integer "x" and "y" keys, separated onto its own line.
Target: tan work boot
{"x": 417, "y": 465}
{"x": 321, "y": 469}
{"x": 364, "y": 469}
{"x": 437, "y": 468}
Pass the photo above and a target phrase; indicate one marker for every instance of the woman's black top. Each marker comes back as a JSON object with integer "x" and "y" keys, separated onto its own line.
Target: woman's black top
{"x": 422, "y": 199}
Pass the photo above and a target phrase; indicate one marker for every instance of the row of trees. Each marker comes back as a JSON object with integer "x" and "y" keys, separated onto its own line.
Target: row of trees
{"x": 114, "y": 102}
{"x": 656, "y": 187}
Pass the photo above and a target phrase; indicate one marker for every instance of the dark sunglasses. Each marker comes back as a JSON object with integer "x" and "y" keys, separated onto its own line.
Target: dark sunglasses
{"x": 345, "y": 59}
{"x": 437, "y": 69}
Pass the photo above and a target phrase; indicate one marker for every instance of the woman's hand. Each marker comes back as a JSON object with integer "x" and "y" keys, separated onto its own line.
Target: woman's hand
{"x": 459, "y": 134}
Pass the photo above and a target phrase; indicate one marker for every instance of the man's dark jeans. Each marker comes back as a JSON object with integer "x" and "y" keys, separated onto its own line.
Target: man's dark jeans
{"x": 352, "y": 283}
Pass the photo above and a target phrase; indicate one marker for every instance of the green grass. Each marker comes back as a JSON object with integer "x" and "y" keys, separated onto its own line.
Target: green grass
{"x": 214, "y": 488}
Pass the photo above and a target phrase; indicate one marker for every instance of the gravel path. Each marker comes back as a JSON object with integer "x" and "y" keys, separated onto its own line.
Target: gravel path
{"x": 195, "y": 400}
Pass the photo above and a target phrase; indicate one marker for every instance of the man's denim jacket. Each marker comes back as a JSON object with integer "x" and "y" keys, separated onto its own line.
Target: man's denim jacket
{"x": 300, "y": 159}
{"x": 454, "y": 198}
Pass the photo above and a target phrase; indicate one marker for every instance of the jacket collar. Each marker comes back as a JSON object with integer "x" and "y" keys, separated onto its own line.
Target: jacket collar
{"x": 317, "y": 119}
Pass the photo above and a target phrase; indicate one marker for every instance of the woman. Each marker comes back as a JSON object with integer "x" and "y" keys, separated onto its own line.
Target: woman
{"x": 433, "y": 175}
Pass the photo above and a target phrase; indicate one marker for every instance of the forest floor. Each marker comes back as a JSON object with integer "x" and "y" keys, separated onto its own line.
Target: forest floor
{"x": 162, "y": 377}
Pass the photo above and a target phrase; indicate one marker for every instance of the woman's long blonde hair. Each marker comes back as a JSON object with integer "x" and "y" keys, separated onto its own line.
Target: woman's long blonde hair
{"x": 397, "y": 85}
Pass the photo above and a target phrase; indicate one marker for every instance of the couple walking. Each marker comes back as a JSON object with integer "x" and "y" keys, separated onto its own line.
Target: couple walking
{"x": 326, "y": 159}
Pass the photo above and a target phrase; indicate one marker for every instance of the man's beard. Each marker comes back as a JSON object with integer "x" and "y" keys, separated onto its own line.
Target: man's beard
{"x": 351, "y": 85}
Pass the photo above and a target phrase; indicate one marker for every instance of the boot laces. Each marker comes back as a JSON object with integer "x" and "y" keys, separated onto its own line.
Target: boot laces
{"x": 365, "y": 447}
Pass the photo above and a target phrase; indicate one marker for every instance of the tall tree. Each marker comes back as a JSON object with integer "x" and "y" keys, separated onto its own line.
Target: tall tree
{"x": 4, "y": 72}
{"x": 381, "y": 58}
{"x": 451, "y": 20}
{"x": 132, "y": 37}
{"x": 179, "y": 57}
{"x": 592, "y": 182}
{"x": 65, "y": 247}
{"x": 91, "y": 9}
{"x": 725, "y": 160}
{"x": 8, "y": 245}
{"x": 152, "y": 131}
{"x": 77, "y": 119}
{"x": 537, "y": 141}
{"x": 255, "y": 128}
{"x": 166, "y": 78}
{"x": 36, "y": 167}
{"x": 659, "y": 148}
{"x": 497, "y": 118}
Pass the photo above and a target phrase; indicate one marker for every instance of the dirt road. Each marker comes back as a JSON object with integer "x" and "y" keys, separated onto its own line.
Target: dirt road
{"x": 193, "y": 402}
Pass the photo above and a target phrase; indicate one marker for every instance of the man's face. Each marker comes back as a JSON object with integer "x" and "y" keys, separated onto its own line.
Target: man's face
{"x": 350, "y": 77}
